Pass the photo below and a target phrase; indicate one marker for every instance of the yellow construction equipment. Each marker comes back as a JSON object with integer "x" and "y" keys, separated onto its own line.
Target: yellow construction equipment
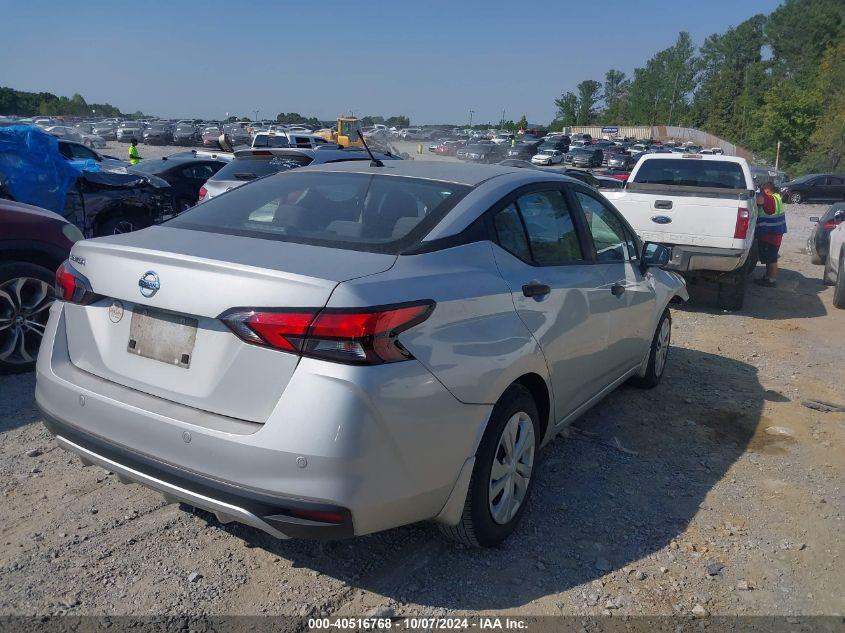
{"x": 345, "y": 133}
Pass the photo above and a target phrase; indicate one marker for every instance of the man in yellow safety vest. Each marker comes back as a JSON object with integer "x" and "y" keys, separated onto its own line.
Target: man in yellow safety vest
{"x": 134, "y": 156}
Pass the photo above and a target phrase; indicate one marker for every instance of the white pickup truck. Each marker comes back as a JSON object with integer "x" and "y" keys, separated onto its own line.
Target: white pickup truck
{"x": 703, "y": 208}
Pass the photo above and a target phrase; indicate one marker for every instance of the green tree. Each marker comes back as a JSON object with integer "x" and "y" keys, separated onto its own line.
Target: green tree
{"x": 398, "y": 121}
{"x": 660, "y": 91}
{"x": 788, "y": 115}
{"x": 567, "y": 110}
{"x": 522, "y": 124}
{"x": 827, "y": 152}
{"x": 799, "y": 32}
{"x": 616, "y": 86}
{"x": 589, "y": 94}
{"x": 733, "y": 80}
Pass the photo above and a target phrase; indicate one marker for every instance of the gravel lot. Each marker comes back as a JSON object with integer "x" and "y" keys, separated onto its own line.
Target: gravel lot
{"x": 716, "y": 492}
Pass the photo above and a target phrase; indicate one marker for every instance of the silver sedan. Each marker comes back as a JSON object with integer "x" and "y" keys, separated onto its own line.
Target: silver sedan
{"x": 336, "y": 350}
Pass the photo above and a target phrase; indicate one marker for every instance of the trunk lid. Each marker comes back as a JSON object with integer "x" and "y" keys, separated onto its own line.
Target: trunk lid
{"x": 201, "y": 275}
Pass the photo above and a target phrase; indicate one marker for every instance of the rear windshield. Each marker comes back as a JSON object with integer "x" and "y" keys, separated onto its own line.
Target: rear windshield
{"x": 355, "y": 211}
{"x": 689, "y": 172}
{"x": 252, "y": 167}
{"x": 270, "y": 140}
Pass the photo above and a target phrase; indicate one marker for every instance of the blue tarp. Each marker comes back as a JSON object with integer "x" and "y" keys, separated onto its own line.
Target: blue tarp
{"x": 34, "y": 170}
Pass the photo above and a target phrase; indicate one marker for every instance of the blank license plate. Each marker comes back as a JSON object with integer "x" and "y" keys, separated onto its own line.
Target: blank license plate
{"x": 163, "y": 336}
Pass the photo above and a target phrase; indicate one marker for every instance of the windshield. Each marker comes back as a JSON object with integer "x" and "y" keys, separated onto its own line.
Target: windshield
{"x": 692, "y": 173}
{"x": 252, "y": 167}
{"x": 356, "y": 211}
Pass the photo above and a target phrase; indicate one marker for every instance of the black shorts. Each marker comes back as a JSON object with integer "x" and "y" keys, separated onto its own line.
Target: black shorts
{"x": 767, "y": 252}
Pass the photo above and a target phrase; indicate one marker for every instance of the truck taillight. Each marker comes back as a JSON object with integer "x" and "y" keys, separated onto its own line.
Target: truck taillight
{"x": 743, "y": 220}
{"x": 360, "y": 336}
{"x": 73, "y": 287}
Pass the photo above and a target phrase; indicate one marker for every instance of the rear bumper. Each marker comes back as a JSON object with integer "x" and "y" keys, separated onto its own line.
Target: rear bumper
{"x": 382, "y": 446}
{"x": 228, "y": 502}
{"x": 704, "y": 258}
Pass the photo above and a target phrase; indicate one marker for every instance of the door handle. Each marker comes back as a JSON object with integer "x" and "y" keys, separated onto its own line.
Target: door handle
{"x": 617, "y": 289}
{"x": 662, "y": 204}
{"x": 535, "y": 289}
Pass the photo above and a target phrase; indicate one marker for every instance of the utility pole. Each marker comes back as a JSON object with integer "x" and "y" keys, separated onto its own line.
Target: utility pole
{"x": 256, "y": 114}
{"x": 471, "y": 112}
{"x": 777, "y": 156}
{"x": 502, "y": 126}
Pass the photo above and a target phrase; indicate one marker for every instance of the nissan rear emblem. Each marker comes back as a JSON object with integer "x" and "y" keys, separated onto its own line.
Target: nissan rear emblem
{"x": 149, "y": 284}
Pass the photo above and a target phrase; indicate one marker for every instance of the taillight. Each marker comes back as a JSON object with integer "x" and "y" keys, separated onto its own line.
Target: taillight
{"x": 743, "y": 219}
{"x": 830, "y": 225}
{"x": 348, "y": 335}
{"x": 203, "y": 193}
{"x": 73, "y": 287}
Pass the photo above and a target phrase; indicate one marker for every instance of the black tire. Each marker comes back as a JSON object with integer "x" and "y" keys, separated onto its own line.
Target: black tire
{"x": 732, "y": 294}
{"x": 654, "y": 370}
{"x": 827, "y": 276}
{"x": 795, "y": 197}
{"x": 839, "y": 288}
{"x": 27, "y": 305}
{"x": 477, "y": 528}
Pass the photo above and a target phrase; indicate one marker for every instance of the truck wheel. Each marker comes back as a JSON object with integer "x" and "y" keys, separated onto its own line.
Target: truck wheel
{"x": 502, "y": 477}
{"x": 658, "y": 354}
{"x": 839, "y": 289}
{"x": 732, "y": 292}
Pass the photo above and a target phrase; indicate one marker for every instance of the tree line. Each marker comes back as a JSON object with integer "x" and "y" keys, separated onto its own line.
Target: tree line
{"x": 19, "y": 103}
{"x": 777, "y": 77}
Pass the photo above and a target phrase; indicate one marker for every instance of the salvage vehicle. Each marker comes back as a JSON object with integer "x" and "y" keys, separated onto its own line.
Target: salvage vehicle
{"x": 484, "y": 152}
{"x": 78, "y": 151}
{"x": 585, "y": 157}
{"x": 818, "y": 244}
{"x": 834, "y": 268}
{"x": 547, "y": 156}
{"x": 128, "y": 130}
{"x": 523, "y": 150}
{"x": 72, "y": 134}
{"x": 158, "y": 133}
{"x": 620, "y": 160}
{"x": 814, "y": 188}
{"x": 185, "y": 134}
{"x": 704, "y": 209}
{"x": 251, "y": 164}
{"x": 210, "y": 136}
{"x": 185, "y": 173}
{"x": 33, "y": 243}
{"x": 342, "y": 349}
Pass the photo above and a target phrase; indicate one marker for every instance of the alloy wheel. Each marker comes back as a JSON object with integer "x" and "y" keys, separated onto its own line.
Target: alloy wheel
{"x": 513, "y": 463}
{"x": 24, "y": 308}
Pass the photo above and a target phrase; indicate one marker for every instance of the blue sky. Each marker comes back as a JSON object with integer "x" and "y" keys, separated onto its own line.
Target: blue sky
{"x": 433, "y": 61}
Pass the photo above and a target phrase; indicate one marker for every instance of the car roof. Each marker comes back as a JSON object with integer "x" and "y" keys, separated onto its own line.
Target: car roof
{"x": 459, "y": 173}
{"x": 707, "y": 157}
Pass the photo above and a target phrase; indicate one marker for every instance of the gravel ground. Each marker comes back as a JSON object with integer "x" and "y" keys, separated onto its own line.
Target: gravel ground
{"x": 715, "y": 493}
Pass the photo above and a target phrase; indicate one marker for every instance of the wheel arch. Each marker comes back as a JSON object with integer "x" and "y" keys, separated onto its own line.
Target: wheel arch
{"x": 539, "y": 390}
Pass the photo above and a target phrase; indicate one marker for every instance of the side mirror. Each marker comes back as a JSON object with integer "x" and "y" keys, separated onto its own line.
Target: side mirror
{"x": 654, "y": 255}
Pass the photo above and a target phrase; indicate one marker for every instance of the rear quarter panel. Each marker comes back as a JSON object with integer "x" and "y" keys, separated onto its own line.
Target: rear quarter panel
{"x": 474, "y": 342}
